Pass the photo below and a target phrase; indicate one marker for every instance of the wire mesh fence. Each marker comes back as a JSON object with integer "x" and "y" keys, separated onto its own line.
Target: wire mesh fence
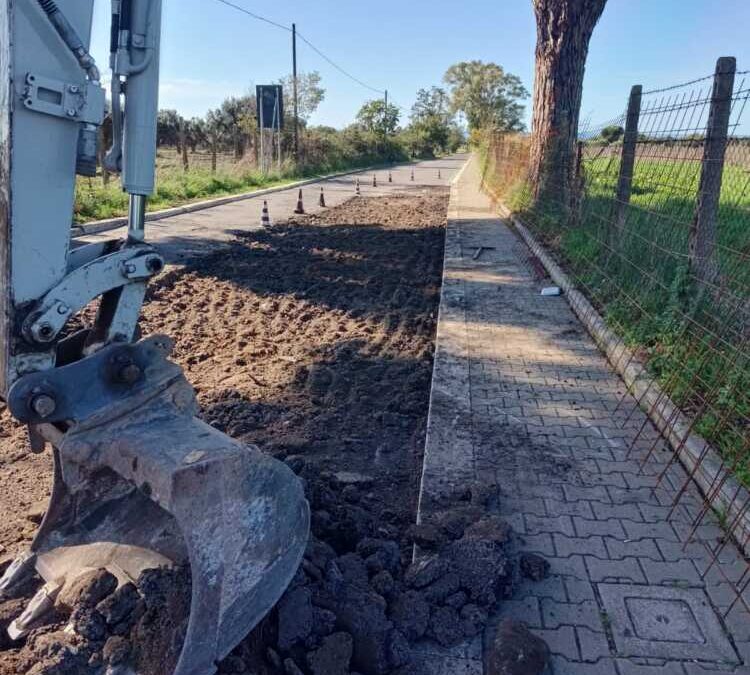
{"x": 201, "y": 158}
{"x": 659, "y": 242}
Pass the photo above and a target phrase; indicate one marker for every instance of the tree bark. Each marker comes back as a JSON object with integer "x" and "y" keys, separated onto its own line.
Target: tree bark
{"x": 184, "y": 149}
{"x": 564, "y": 29}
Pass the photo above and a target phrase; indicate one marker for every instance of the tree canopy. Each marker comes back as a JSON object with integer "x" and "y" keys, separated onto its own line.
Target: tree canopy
{"x": 486, "y": 95}
{"x": 378, "y": 118}
{"x": 432, "y": 128}
{"x": 612, "y": 133}
{"x": 309, "y": 94}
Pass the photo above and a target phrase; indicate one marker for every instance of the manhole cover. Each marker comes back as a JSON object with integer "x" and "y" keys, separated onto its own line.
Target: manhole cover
{"x": 665, "y": 622}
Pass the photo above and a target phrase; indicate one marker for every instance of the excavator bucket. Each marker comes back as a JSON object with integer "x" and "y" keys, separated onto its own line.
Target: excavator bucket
{"x": 141, "y": 481}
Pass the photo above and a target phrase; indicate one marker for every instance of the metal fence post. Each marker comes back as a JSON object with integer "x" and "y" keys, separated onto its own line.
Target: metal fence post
{"x": 703, "y": 228}
{"x": 627, "y": 161}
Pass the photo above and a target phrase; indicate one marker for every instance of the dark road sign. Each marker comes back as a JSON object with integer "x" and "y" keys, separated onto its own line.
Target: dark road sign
{"x": 270, "y": 99}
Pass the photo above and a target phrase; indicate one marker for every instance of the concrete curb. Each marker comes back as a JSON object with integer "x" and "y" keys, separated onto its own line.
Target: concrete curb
{"x": 97, "y": 226}
{"x": 452, "y": 304}
{"x": 674, "y": 425}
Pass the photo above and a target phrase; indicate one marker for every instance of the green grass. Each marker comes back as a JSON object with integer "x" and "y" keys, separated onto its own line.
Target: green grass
{"x": 175, "y": 187}
{"x": 95, "y": 201}
{"x": 692, "y": 341}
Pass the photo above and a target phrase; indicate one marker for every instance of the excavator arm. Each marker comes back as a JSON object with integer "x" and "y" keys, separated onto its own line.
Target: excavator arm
{"x": 139, "y": 480}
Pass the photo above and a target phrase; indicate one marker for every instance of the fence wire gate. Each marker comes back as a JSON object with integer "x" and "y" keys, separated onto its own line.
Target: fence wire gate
{"x": 682, "y": 321}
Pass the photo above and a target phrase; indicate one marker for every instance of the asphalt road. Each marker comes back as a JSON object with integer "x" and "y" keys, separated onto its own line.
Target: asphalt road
{"x": 186, "y": 235}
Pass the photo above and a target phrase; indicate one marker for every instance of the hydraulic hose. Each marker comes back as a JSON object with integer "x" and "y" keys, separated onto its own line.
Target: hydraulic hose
{"x": 71, "y": 38}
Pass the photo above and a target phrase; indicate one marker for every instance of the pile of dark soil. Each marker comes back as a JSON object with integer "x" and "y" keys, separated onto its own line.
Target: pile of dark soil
{"x": 358, "y": 604}
{"x": 312, "y": 339}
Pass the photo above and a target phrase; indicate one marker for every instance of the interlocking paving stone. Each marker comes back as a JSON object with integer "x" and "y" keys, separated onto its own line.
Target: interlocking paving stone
{"x": 561, "y": 641}
{"x": 562, "y": 666}
{"x": 629, "y": 548}
{"x": 625, "y": 570}
{"x": 523, "y": 401}
{"x": 632, "y": 668}
{"x": 593, "y": 645}
{"x": 586, "y": 613}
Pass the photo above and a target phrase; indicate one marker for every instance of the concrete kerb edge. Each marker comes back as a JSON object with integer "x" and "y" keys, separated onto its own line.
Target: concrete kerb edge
{"x": 451, "y": 216}
{"x": 674, "y": 426}
{"x": 455, "y": 180}
{"x": 98, "y": 226}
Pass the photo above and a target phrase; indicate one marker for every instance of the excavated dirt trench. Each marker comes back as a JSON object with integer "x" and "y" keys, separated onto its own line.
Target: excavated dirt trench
{"x": 314, "y": 340}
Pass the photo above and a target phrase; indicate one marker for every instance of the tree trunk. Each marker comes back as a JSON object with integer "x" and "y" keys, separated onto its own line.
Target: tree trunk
{"x": 184, "y": 149}
{"x": 564, "y": 29}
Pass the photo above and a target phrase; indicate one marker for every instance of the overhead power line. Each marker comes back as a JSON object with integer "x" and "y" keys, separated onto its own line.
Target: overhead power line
{"x": 337, "y": 66}
{"x": 254, "y": 16}
{"x": 317, "y": 50}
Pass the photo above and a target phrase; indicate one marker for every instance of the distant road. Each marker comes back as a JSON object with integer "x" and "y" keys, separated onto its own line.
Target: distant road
{"x": 185, "y": 235}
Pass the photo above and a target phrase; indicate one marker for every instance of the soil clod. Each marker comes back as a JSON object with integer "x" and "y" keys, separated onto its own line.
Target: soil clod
{"x": 516, "y": 651}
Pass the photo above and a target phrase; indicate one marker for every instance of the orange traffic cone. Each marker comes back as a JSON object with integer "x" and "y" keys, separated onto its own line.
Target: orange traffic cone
{"x": 300, "y": 206}
{"x": 265, "y": 219}
{"x": 322, "y": 200}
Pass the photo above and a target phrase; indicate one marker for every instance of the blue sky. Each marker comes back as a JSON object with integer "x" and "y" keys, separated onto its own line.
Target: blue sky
{"x": 211, "y": 51}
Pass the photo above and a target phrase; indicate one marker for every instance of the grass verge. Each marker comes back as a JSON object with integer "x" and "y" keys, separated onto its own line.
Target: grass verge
{"x": 175, "y": 187}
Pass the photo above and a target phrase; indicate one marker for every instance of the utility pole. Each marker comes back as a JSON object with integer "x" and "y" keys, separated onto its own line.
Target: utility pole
{"x": 294, "y": 87}
{"x": 385, "y": 113}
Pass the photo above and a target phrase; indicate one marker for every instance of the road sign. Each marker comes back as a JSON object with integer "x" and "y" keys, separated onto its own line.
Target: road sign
{"x": 270, "y": 99}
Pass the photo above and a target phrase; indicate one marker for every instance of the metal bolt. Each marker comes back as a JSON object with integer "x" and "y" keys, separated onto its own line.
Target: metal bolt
{"x": 46, "y": 331}
{"x": 129, "y": 374}
{"x": 43, "y": 405}
{"x": 154, "y": 265}
{"x": 71, "y": 112}
{"x": 130, "y": 269}
{"x": 62, "y": 309}
{"x": 73, "y": 89}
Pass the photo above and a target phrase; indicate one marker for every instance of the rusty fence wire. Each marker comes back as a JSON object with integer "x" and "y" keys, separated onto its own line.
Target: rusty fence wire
{"x": 658, "y": 239}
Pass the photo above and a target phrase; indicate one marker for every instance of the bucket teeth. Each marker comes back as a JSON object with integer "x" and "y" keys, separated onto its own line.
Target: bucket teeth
{"x": 39, "y": 606}
{"x": 20, "y": 570}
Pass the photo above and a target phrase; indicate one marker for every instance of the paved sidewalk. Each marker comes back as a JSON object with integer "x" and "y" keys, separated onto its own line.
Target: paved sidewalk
{"x": 523, "y": 400}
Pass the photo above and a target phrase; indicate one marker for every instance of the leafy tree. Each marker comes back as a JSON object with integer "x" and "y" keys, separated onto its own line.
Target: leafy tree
{"x": 431, "y": 122}
{"x": 432, "y": 103}
{"x": 196, "y": 132}
{"x": 612, "y": 133}
{"x": 377, "y": 118}
{"x": 309, "y": 95}
{"x": 235, "y": 120}
{"x": 168, "y": 123}
{"x": 488, "y": 97}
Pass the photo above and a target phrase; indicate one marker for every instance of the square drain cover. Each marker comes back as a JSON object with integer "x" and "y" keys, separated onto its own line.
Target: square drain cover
{"x": 665, "y": 622}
